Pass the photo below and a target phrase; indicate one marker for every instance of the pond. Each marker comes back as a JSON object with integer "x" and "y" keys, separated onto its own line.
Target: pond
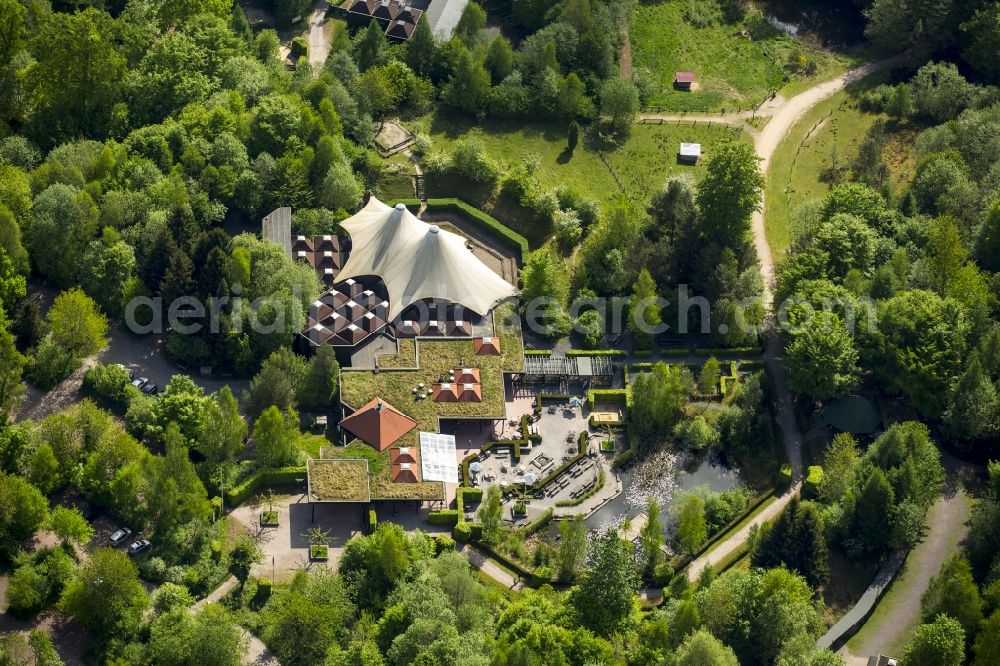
{"x": 662, "y": 475}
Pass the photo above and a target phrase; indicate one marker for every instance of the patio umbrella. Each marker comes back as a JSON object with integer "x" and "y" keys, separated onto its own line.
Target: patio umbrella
{"x": 530, "y": 478}
{"x": 476, "y": 466}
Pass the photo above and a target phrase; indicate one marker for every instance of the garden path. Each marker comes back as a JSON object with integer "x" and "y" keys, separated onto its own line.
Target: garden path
{"x": 898, "y": 613}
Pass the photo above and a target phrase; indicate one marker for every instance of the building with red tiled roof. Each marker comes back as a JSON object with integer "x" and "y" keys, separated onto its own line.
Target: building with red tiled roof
{"x": 378, "y": 424}
{"x": 470, "y": 392}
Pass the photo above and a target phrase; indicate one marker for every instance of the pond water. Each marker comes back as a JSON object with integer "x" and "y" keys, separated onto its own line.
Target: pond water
{"x": 661, "y": 475}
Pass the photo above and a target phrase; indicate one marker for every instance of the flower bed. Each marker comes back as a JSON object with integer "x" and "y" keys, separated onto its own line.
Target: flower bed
{"x": 319, "y": 553}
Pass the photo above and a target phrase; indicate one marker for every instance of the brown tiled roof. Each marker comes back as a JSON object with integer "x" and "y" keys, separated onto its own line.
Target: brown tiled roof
{"x": 364, "y": 6}
{"x": 402, "y": 454}
{"x": 488, "y": 346}
{"x": 401, "y": 29}
{"x": 403, "y": 473}
{"x": 379, "y": 424}
{"x": 446, "y": 392}
{"x": 467, "y": 375}
{"x": 470, "y": 392}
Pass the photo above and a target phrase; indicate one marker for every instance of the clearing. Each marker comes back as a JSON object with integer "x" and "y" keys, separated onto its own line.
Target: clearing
{"x": 826, "y": 139}
{"x": 735, "y": 64}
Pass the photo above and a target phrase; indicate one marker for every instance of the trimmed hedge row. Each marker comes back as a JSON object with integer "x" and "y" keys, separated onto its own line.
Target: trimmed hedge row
{"x": 538, "y": 524}
{"x": 270, "y": 476}
{"x": 447, "y": 517}
{"x": 485, "y": 221}
{"x": 538, "y": 352}
{"x": 372, "y": 521}
{"x": 614, "y": 396}
{"x": 726, "y": 351}
{"x": 674, "y": 351}
{"x": 468, "y": 532}
{"x": 596, "y": 352}
{"x": 473, "y": 494}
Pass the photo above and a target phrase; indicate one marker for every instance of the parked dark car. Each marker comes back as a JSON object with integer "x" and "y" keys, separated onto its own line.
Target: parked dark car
{"x": 120, "y": 536}
{"x": 139, "y": 546}
{"x": 151, "y": 389}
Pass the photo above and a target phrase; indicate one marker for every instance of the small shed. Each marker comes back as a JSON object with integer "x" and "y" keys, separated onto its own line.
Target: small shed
{"x": 683, "y": 80}
{"x": 689, "y": 153}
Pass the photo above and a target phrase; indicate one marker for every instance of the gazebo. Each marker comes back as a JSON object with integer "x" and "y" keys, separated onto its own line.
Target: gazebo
{"x": 853, "y": 414}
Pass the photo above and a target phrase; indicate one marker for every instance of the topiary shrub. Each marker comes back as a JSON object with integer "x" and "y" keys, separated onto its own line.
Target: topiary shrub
{"x": 785, "y": 474}
{"x": 443, "y": 543}
{"x": 813, "y": 478}
{"x": 463, "y": 532}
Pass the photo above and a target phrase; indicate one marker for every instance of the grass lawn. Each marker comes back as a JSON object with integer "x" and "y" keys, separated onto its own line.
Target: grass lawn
{"x": 731, "y": 70}
{"x": 339, "y": 480}
{"x": 642, "y": 163}
{"x": 396, "y": 180}
{"x": 406, "y": 358}
{"x": 835, "y": 127}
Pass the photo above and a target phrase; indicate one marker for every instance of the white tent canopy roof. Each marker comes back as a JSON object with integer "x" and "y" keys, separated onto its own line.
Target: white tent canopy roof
{"x": 417, "y": 260}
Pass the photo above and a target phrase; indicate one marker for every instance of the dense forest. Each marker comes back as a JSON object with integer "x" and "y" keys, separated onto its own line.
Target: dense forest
{"x": 142, "y": 141}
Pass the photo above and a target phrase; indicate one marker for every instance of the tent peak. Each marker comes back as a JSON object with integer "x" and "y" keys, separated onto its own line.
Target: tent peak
{"x": 400, "y": 206}
{"x": 433, "y": 229}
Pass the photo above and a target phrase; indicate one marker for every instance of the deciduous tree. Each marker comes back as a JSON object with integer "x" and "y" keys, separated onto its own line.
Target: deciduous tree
{"x": 605, "y": 597}
{"x": 106, "y": 594}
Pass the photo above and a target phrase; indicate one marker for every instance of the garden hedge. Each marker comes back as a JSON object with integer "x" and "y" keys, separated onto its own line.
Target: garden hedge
{"x": 448, "y": 517}
{"x": 463, "y": 493}
{"x": 726, "y": 351}
{"x": 372, "y": 521}
{"x": 483, "y": 220}
{"x": 614, "y": 396}
{"x": 596, "y": 352}
{"x": 538, "y": 352}
{"x": 814, "y": 476}
{"x": 468, "y": 532}
{"x": 269, "y": 476}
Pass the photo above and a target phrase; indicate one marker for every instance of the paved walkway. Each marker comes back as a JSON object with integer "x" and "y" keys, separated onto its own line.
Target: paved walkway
{"x": 481, "y": 561}
{"x": 898, "y": 613}
{"x": 316, "y": 34}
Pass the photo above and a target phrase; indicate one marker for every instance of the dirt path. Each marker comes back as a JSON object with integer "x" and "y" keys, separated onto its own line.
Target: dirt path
{"x": 625, "y": 54}
{"x": 784, "y": 117}
{"x": 898, "y": 612}
{"x": 785, "y": 114}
